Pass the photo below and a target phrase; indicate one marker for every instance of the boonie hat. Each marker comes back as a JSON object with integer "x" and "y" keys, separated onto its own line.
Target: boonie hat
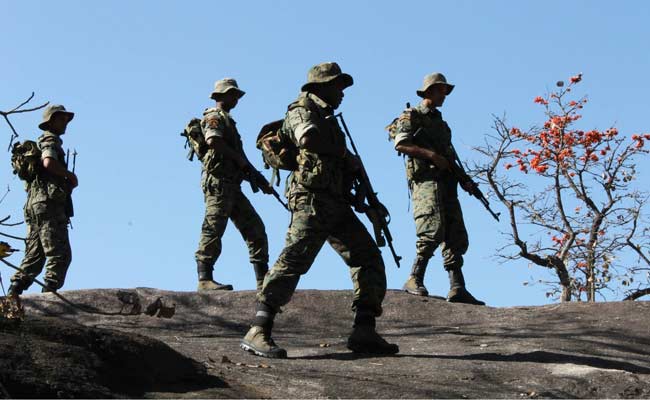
{"x": 225, "y": 85}
{"x": 50, "y": 111}
{"x": 324, "y": 73}
{"x": 435, "y": 78}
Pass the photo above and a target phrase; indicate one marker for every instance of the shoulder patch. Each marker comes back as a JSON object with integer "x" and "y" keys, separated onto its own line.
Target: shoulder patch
{"x": 212, "y": 122}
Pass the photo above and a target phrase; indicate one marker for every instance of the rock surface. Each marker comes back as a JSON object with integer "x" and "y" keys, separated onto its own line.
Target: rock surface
{"x": 446, "y": 350}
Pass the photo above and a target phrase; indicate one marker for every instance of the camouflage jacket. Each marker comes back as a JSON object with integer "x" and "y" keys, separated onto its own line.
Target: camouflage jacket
{"x": 46, "y": 187}
{"x": 219, "y": 123}
{"x": 317, "y": 174}
{"x": 425, "y": 128}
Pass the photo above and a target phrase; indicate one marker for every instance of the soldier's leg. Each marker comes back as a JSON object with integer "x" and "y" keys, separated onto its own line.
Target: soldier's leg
{"x": 354, "y": 244}
{"x": 305, "y": 237}
{"x": 454, "y": 247}
{"x": 251, "y": 227}
{"x": 218, "y": 205}
{"x": 32, "y": 264}
{"x": 56, "y": 247}
{"x": 429, "y": 214}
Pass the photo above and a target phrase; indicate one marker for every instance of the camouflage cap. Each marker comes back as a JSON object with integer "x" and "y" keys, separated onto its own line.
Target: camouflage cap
{"x": 225, "y": 85}
{"x": 435, "y": 78}
{"x": 50, "y": 111}
{"x": 324, "y": 73}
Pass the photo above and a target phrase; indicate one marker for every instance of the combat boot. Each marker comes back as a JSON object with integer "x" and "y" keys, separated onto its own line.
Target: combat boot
{"x": 457, "y": 292}
{"x": 13, "y": 295}
{"x": 260, "y": 272}
{"x": 415, "y": 283}
{"x": 259, "y": 342}
{"x": 206, "y": 281}
{"x": 365, "y": 339}
{"x": 14, "y": 291}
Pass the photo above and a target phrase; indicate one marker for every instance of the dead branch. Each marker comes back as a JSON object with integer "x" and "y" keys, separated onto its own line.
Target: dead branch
{"x": 637, "y": 294}
{"x": 18, "y": 110}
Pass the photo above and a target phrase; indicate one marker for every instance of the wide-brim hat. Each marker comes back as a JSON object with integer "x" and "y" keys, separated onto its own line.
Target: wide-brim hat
{"x": 225, "y": 85}
{"x": 50, "y": 111}
{"x": 325, "y": 73}
{"x": 435, "y": 78}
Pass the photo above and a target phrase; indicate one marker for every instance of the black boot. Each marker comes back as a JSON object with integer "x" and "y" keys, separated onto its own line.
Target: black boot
{"x": 365, "y": 339}
{"x": 415, "y": 283}
{"x": 457, "y": 291}
{"x": 206, "y": 281}
{"x": 260, "y": 272}
{"x": 14, "y": 290}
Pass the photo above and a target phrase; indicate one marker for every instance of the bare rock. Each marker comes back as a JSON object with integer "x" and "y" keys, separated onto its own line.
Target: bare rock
{"x": 446, "y": 350}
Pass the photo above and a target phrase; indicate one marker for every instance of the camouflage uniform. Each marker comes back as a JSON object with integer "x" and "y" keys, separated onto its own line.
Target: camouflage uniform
{"x": 434, "y": 195}
{"x": 320, "y": 211}
{"x": 47, "y": 214}
{"x": 220, "y": 181}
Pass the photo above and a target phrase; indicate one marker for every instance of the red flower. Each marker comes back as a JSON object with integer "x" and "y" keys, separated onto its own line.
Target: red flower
{"x": 540, "y": 100}
{"x": 576, "y": 78}
{"x": 508, "y": 166}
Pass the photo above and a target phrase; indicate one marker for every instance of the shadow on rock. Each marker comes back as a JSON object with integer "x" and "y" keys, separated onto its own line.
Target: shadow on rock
{"x": 50, "y": 358}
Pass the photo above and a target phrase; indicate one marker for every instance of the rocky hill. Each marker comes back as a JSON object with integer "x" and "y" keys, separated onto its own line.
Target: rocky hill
{"x": 447, "y": 350}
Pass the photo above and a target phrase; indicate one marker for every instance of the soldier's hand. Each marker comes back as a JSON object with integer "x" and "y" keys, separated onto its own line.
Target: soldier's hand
{"x": 440, "y": 162}
{"x": 353, "y": 164}
{"x": 242, "y": 163}
{"x": 266, "y": 188}
{"x": 72, "y": 180}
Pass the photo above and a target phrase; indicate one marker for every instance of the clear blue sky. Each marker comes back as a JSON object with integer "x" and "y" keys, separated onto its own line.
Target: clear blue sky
{"x": 135, "y": 72}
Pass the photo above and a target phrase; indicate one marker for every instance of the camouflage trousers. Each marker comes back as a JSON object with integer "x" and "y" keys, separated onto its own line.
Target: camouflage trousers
{"x": 439, "y": 221}
{"x": 47, "y": 239}
{"x": 223, "y": 201}
{"x": 312, "y": 223}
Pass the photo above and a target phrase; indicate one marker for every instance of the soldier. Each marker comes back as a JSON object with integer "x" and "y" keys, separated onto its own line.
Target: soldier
{"x": 320, "y": 212}
{"x": 225, "y": 166}
{"x": 425, "y": 138}
{"x": 48, "y": 209}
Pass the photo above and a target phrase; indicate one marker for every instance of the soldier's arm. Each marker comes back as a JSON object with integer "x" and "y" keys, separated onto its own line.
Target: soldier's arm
{"x": 416, "y": 151}
{"x": 53, "y": 166}
{"x": 213, "y": 128}
{"x": 221, "y": 147}
{"x": 307, "y": 136}
{"x": 404, "y": 143}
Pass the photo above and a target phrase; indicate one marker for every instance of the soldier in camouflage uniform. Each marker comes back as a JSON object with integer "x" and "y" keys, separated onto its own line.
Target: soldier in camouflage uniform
{"x": 320, "y": 212}
{"x": 225, "y": 166}
{"x": 48, "y": 209}
{"x": 425, "y": 138}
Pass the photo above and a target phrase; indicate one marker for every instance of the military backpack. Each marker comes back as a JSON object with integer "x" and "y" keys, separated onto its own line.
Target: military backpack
{"x": 26, "y": 160}
{"x": 195, "y": 140}
{"x": 278, "y": 151}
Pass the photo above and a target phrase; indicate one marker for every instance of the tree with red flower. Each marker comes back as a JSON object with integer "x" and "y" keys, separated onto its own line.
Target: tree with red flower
{"x": 591, "y": 172}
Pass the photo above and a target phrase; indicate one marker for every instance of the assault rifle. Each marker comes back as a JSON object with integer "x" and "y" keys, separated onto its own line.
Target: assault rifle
{"x": 376, "y": 212}
{"x": 69, "y": 207}
{"x": 256, "y": 179}
{"x": 461, "y": 175}
{"x": 458, "y": 171}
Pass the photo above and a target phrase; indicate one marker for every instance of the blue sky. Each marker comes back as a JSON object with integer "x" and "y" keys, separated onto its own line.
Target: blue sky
{"x": 136, "y": 72}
